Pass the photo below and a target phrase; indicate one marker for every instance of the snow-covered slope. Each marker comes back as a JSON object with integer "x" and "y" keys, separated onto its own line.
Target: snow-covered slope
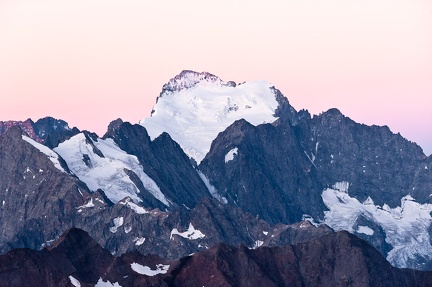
{"x": 406, "y": 226}
{"x": 194, "y": 107}
{"x": 47, "y": 151}
{"x": 102, "y": 164}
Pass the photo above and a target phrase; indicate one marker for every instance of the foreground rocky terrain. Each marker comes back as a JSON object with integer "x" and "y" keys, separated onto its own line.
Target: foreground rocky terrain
{"x": 334, "y": 259}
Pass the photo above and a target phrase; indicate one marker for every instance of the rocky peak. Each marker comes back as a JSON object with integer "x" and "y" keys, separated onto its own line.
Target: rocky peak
{"x": 113, "y": 127}
{"x": 334, "y": 112}
{"x": 53, "y": 131}
{"x": 285, "y": 110}
{"x": 48, "y": 131}
{"x": 26, "y": 126}
{"x": 188, "y": 79}
{"x": 52, "y": 123}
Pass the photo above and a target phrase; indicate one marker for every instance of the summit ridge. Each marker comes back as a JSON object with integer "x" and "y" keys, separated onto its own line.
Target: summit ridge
{"x": 188, "y": 79}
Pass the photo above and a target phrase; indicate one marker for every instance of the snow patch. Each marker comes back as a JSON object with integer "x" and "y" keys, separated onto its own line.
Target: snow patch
{"x": 135, "y": 207}
{"x": 74, "y": 281}
{"x": 307, "y": 217}
{"x": 191, "y": 233}
{"x": 53, "y": 156}
{"x": 213, "y": 191}
{"x": 146, "y": 270}
{"x": 195, "y": 115}
{"x": 265, "y": 232}
{"x": 101, "y": 283}
{"x": 87, "y": 205}
{"x": 257, "y": 244}
{"x": 304, "y": 224}
{"x": 139, "y": 241}
{"x": 405, "y": 226}
{"x": 342, "y": 186}
{"x": 118, "y": 221}
{"x": 230, "y": 155}
{"x": 368, "y": 201}
{"x": 365, "y": 230}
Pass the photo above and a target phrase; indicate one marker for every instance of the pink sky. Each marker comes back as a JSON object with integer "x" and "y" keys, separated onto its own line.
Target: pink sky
{"x": 92, "y": 61}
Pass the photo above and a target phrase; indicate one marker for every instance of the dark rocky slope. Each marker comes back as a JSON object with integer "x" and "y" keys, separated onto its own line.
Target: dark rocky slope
{"x": 335, "y": 259}
{"x": 270, "y": 176}
{"x": 164, "y": 161}
{"x": 38, "y": 201}
{"x": 375, "y": 161}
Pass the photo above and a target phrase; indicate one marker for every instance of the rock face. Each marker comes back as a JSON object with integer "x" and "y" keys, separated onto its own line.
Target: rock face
{"x": 376, "y": 162}
{"x": 255, "y": 178}
{"x": 48, "y": 131}
{"x": 52, "y": 131}
{"x": 335, "y": 259}
{"x": 34, "y": 194}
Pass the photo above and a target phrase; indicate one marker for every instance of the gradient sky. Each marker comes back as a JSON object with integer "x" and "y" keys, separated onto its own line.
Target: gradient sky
{"x": 92, "y": 61}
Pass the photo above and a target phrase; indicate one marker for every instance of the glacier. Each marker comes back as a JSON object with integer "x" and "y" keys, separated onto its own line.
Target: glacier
{"x": 106, "y": 169}
{"x": 406, "y": 226}
{"x": 195, "y": 109}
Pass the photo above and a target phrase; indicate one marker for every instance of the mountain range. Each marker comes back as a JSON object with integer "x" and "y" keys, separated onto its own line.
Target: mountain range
{"x": 228, "y": 171}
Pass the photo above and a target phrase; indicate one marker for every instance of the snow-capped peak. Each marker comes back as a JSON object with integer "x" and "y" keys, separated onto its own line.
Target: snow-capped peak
{"x": 195, "y": 107}
{"x": 188, "y": 79}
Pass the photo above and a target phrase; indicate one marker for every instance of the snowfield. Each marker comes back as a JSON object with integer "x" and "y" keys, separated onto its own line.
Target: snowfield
{"x": 406, "y": 226}
{"x": 145, "y": 270}
{"x": 193, "y": 110}
{"x": 191, "y": 233}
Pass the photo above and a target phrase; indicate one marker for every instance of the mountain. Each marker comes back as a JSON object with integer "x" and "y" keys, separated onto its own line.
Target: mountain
{"x": 216, "y": 162}
{"x": 334, "y": 259}
{"x": 194, "y": 107}
{"x": 373, "y": 168}
{"x": 42, "y": 197}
